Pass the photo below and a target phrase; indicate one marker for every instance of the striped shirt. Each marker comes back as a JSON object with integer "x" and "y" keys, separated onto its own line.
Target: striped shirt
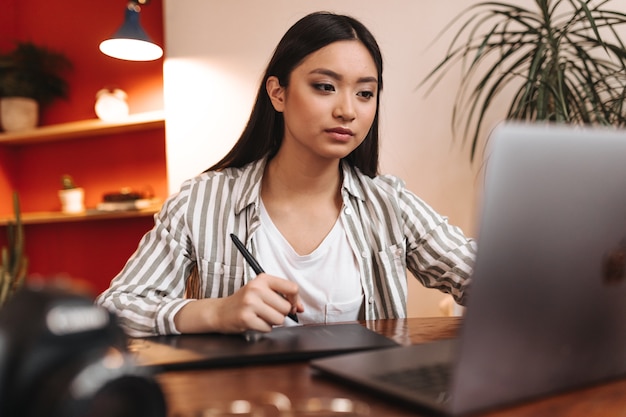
{"x": 389, "y": 228}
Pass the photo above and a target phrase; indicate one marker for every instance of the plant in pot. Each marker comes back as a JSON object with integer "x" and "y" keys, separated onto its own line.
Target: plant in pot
{"x": 31, "y": 77}
{"x": 72, "y": 197}
{"x": 562, "y": 60}
{"x": 13, "y": 264}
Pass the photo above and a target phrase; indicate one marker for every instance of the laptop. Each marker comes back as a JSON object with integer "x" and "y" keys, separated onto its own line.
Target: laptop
{"x": 547, "y": 307}
{"x": 282, "y": 344}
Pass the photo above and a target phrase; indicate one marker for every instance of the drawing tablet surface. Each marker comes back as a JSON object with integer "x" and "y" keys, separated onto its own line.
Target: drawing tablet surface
{"x": 282, "y": 344}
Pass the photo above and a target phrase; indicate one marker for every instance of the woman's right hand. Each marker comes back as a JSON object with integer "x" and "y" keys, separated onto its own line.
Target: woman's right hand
{"x": 259, "y": 305}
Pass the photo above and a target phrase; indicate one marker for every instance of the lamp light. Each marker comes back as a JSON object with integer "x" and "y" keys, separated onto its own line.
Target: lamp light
{"x": 131, "y": 42}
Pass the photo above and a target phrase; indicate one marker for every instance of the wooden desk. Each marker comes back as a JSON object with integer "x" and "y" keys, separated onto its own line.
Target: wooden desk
{"x": 187, "y": 392}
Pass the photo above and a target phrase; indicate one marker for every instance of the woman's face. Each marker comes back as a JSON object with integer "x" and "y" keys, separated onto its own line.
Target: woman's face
{"x": 330, "y": 103}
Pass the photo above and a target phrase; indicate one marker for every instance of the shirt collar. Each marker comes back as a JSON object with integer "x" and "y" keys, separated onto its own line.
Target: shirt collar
{"x": 352, "y": 181}
{"x": 252, "y": 174}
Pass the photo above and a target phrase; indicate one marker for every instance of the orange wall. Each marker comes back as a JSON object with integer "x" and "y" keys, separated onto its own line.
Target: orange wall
{"x": 100, "y": 164}
{"x": 89, "y": 252}
{"x": 76, "y": 28}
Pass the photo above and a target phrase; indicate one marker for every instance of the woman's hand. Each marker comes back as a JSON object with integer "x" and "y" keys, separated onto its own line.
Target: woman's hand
{"x": 260, "y": 304}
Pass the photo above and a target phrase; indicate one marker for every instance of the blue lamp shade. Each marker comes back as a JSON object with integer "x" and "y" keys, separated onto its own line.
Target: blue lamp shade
{"x": 131, "y": 42}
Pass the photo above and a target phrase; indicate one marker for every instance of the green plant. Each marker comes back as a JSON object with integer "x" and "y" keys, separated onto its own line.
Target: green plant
{"x": 67, "y": 182}
{"x": 14, "y": 263}
{"x": 563, "y": 59}
{"x": 35, "y": 72}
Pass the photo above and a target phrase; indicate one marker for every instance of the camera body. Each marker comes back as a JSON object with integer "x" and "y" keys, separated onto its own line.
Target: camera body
{"x": 63, "y": 356}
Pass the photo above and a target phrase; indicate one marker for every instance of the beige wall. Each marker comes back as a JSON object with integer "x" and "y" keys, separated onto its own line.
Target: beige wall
{"x": 217, "y": 51}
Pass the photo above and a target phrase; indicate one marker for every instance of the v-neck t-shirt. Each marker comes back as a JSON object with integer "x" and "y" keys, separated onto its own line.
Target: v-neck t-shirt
{"x": 328, "y": 278}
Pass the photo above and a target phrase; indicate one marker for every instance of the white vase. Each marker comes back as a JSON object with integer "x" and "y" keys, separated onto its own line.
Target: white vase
{"x": 18, "y": 113}
{"x": 72, "y": 200}
{"x": 111, "y": 105}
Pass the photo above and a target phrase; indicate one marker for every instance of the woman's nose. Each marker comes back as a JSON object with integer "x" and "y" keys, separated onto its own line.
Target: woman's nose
{"x": 344, "y": 108}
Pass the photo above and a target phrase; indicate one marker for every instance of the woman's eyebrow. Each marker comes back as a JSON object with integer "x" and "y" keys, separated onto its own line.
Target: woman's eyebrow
{"x": 339, "y": 77}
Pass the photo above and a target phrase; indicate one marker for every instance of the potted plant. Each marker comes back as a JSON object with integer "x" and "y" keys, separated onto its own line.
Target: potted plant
{"x": 13, "y": 264}
{"x": 31, "y": 77}
{"x": 563, "y": 60}
{"x": 72, "y": 197}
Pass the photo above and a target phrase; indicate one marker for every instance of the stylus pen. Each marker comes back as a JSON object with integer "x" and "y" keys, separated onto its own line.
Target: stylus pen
{"x": 254, "y": 264}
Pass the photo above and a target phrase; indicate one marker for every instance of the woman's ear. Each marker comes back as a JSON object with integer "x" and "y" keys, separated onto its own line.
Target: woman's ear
{"x": 276, "y": 93}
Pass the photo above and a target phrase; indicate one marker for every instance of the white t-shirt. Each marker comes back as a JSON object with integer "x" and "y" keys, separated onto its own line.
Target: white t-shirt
{"x": 328, "y": 277}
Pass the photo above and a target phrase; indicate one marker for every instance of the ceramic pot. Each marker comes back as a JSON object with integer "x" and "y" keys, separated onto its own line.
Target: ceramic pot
{"x": 72, "y": 200}
{"x": 18, "y": 113}
{"x": 111, "y": 105}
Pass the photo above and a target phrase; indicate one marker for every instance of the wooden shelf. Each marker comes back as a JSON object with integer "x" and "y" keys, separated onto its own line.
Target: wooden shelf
{"x": 84, "y": 128}
{"x": 90, "y": 214}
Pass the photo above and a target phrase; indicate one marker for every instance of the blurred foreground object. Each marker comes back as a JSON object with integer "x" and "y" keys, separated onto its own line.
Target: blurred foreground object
{"x": 62, "y": 356}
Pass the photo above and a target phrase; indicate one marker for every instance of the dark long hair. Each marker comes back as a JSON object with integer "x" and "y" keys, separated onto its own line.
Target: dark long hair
{"x": 264, "y": 132}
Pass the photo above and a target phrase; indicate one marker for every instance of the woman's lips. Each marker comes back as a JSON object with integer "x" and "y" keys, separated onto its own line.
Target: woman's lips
{"x": 340, "y": 133}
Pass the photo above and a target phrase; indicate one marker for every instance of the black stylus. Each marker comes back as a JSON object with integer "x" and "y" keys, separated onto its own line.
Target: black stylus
{"x": 254, "y": 264}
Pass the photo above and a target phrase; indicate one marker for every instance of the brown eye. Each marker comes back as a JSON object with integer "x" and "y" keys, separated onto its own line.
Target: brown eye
{"x": 324, "y": 87}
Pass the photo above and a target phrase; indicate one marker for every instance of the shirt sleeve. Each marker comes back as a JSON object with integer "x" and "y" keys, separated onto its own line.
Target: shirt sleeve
{"x": 150, "y": 289}
{"x": 439, "y": 255}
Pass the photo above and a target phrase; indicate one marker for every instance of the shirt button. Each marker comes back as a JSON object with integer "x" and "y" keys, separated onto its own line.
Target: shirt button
{"x": 398, "y": 252}
{"x": 364, "y": 254}
{"x": 348, "y": 211}
{"x": 370, "y": 300}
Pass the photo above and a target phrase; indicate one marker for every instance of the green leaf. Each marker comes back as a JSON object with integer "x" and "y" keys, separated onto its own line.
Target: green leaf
{"x": 564, "y": 59}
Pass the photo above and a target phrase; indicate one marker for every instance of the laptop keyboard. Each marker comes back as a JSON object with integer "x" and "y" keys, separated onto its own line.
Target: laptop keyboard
{"x": 432, "y": 380}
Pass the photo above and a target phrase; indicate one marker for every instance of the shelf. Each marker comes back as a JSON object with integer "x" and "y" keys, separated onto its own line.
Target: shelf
{"x": 90, "y": 214}
{"x": 84, "y": 128}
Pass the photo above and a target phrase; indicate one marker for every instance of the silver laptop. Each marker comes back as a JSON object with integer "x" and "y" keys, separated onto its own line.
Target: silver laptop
{"x": 547, "y": 307}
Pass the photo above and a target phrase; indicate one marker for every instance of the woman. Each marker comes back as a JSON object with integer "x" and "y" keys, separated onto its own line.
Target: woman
{"x": 301, "y": 189}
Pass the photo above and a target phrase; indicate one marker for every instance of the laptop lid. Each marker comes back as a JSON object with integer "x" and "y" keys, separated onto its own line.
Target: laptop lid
{"x": 547, "y": 307}
{"x": 548, "y": 299}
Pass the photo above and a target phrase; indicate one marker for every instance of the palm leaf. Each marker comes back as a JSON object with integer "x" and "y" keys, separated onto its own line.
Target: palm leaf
{"x": 564, "y": 60}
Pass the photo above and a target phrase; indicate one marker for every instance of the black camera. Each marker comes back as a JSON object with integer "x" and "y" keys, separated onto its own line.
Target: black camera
{"x": 62, "y": 356}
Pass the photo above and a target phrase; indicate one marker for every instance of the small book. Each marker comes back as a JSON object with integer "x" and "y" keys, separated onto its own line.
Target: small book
{"x": 138, "y": 204}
